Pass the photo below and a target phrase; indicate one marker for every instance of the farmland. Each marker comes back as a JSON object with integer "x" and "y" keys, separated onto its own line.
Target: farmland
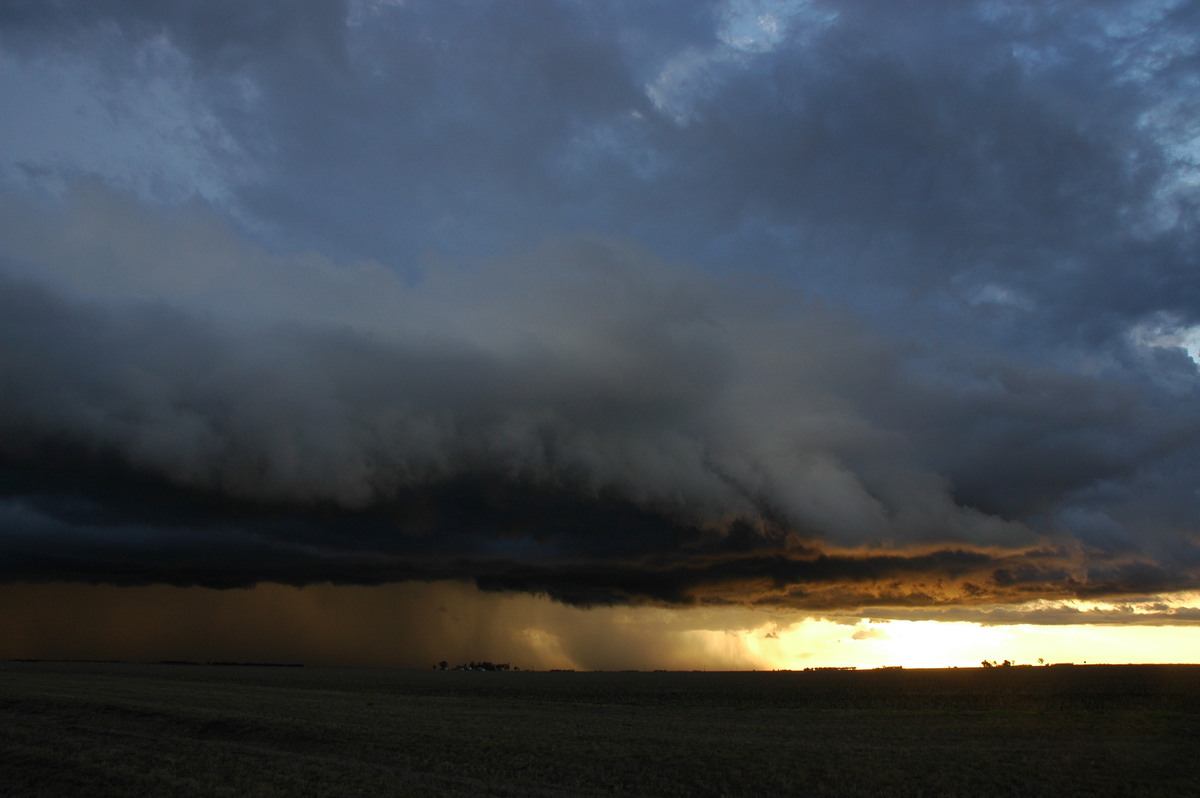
{"x": 115, "y": 729}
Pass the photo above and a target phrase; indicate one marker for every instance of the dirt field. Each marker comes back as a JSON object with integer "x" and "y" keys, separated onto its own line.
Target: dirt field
{"x": 183, "y": 730}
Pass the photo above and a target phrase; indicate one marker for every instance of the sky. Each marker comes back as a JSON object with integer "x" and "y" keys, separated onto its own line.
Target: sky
{"x": 748, "y": 334}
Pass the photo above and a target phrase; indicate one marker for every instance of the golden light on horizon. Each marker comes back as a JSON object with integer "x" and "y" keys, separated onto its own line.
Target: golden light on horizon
{"x": 415, "y": 625}
{"x": 943, "y": 644}
{"x": 1143, "y": 636}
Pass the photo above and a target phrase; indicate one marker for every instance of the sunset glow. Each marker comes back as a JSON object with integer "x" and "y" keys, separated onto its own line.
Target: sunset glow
{"x": 742, "y": 334}
{"x": 413, "y": 626}
{"x": 935, "y": 644}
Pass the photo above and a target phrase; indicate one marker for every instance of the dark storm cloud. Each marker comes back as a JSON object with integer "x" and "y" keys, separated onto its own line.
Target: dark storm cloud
{"x": 352, "y": 356}
{"x": 938, "y": 153}
{"x": 581, "y": 422}
{"x": 585, "y": 370}
{"x": 924, "y": 150}
{"x": 391, "y": 127}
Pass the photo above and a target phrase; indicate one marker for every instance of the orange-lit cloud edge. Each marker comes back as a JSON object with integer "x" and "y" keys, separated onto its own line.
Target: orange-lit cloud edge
{"x": 413, "y": 625}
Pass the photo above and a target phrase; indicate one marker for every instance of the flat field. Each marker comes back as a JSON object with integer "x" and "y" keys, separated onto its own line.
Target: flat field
{"x": 99, "y": 729}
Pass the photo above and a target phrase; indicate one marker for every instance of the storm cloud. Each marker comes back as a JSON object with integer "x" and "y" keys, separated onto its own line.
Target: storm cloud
{"x": 794, "y": 304}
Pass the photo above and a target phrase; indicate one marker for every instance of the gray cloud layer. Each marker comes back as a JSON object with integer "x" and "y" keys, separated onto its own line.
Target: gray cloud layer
{"x": 812, "y": 304}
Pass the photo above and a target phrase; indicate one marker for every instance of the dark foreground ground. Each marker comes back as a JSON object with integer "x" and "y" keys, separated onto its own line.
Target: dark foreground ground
{"x": 174, "y": 730}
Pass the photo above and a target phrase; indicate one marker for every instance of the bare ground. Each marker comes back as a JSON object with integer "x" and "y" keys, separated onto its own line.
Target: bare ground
{"x": 108, "y": 729}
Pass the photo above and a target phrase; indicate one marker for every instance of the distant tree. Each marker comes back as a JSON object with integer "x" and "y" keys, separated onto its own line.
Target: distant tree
{"x": 1006, "y": 664}
{"x": 986, "y": 664}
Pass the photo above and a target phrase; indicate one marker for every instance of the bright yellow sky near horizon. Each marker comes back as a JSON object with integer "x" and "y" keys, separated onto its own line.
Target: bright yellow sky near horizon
{"x": 416, "y": 625}
{"x": 940, "y": 644}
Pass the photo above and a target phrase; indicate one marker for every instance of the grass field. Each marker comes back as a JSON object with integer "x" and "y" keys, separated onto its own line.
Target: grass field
{"x": 95, "y": 729}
